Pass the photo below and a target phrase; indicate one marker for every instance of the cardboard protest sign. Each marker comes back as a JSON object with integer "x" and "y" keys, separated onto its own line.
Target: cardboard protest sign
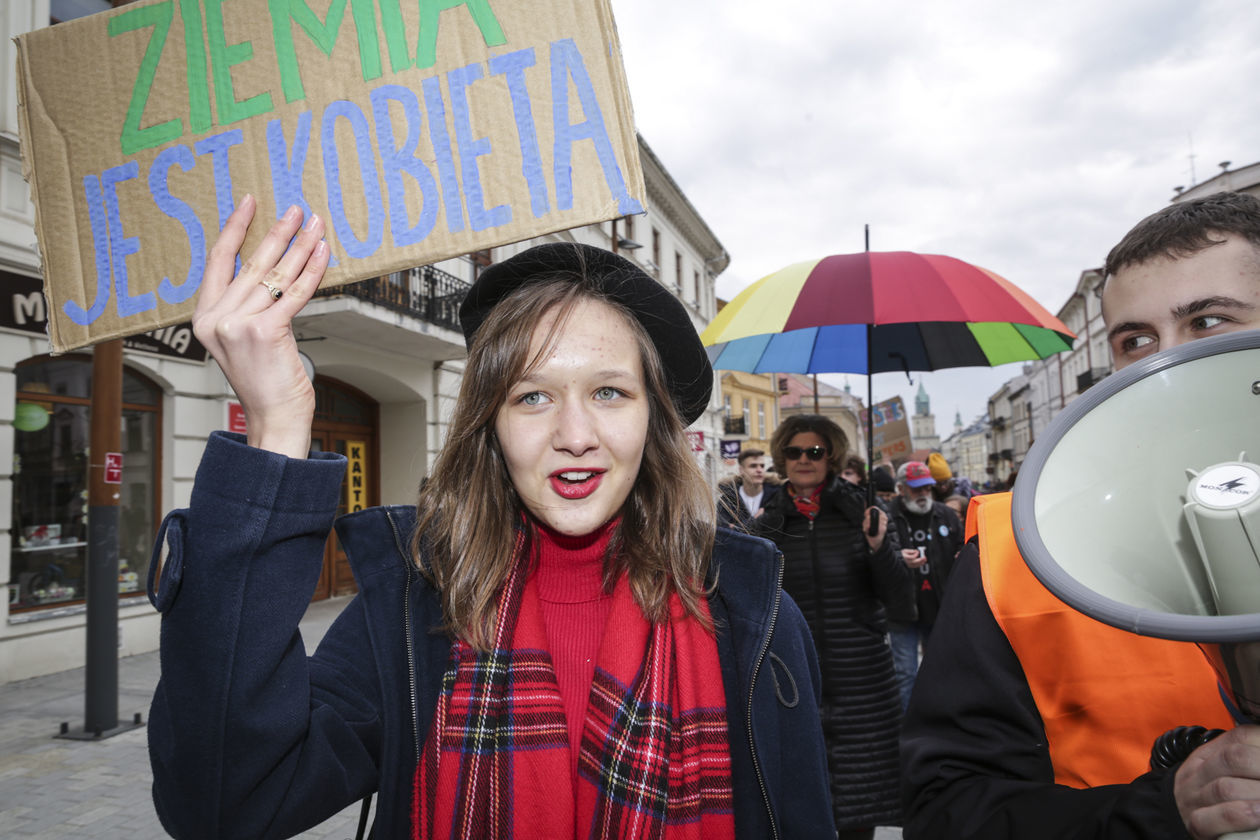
{"x": 418, "y": 129}
{"x": 890, "y": 435}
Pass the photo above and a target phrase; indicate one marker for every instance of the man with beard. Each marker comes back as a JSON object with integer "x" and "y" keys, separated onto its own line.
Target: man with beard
{"x": 930, "y": 534}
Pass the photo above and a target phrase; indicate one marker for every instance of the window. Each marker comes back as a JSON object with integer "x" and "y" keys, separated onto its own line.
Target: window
{"x": 52, "y": 432}
{"x": 761, "y": 419}
{"x": 678, "y": 272}
{"x": 481, "y": 260}
{"x": 727, "y": 400}
{"x": 335, "y": 404}
{"x": 747, "y": 417}
{"x": 656, "y": 252}
{"x": 695, "y": 287}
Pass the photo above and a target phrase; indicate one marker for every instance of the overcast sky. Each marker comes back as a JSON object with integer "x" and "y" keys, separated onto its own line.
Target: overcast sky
{"x": 1025, "y": 138}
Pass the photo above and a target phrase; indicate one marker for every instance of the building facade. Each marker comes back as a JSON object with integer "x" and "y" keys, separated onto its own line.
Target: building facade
{"x": 1245, "y": 180}
{"x": 750, "y": 409}
{"x": 1001, "y": 431}
{"x": 923, "y": 422}
{"x": 801, "y": 394}
{"x": 387, "y": 357}
{"x": 967, "y": 451}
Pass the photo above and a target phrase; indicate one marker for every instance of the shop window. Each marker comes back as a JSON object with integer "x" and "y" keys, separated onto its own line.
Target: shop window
{"x": 52, "y": 433}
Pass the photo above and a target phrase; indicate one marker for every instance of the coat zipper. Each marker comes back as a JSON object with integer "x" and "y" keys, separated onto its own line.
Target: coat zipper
{"x": 411, "y": 657}
{"x": 820, "y": 620}
{"x": 765, "y": 645}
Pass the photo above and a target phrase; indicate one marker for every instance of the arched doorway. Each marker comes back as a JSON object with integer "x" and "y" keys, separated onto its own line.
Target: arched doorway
{"x": 346, "y": 422}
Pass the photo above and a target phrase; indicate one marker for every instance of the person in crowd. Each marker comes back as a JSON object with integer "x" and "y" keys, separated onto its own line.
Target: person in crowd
{"x": 854, "y": 471}
{"x": 743, "y": 498}
{"x": 556, "y": 642}
{"x": 840, "y": 574}
{"x": 1030, "y": 720}
{"x": 947, "y": 484}
{"x": 885, "y": 485}
{"x": 930, "y": 535}
{"x": 958, "y": 504}
{"x": 942, "y": 475}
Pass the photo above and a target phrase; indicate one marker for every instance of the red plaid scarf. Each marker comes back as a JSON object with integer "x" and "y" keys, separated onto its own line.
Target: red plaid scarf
{"x": 654, "y": 761}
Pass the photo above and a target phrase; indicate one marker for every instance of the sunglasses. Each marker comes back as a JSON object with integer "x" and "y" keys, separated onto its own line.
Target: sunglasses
{"x": 815, "y": 453}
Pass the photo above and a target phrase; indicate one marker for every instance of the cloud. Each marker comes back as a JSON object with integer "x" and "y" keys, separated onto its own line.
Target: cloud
{"x": 1023, "y": 138}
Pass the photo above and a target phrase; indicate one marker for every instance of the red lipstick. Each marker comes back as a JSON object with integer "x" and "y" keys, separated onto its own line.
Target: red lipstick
{"x": 575, "y": 484}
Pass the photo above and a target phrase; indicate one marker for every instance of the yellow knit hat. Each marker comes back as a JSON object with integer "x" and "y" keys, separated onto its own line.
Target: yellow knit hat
{"x": 939, "y": 467}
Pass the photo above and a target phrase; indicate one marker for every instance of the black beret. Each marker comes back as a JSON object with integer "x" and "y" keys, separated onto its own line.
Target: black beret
{"x": 687, "y": 370}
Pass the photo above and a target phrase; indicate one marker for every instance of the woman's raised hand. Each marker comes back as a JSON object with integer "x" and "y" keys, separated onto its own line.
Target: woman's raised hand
{"x": 246, "y": 322}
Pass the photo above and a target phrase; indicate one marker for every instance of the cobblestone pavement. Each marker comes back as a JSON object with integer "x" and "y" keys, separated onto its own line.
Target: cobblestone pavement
{"x": 53, "y": 788}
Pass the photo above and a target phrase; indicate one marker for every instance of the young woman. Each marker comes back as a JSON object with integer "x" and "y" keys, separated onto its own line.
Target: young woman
{"x": 555, "y": 646}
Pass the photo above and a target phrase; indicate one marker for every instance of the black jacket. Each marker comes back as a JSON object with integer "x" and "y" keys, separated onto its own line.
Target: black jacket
{"x": 250, "y": 738}
{"x": 943, "y": 539}
{"x": 730, "y": 508}
{"x": 839, "y": 584}
{"x": 974, "y": 752}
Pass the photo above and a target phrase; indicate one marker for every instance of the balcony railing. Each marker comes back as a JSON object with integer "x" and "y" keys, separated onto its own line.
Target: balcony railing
{"x": 734, "y": 426}
{"x": 425, "y": 292}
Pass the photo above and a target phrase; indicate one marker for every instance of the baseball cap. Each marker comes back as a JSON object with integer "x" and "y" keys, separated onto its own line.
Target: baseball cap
{"x": 915, "y": 474}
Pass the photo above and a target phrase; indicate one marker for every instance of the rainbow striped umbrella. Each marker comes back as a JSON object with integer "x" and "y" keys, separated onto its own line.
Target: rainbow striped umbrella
{"x": 874, "y": 312}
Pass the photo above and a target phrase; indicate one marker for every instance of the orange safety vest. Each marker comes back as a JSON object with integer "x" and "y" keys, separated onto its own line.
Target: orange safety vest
{"x": 1104, "y": 694}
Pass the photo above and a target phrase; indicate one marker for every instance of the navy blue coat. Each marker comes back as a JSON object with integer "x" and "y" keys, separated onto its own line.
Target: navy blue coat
{"x": 248, "y": 737}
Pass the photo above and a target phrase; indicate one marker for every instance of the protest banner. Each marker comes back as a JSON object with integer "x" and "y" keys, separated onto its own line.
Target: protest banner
{"x": 891, "y": 433}
{"x": 419, "y": 130}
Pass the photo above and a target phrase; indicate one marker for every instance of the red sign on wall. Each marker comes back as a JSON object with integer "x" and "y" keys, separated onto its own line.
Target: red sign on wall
{"x": 697, "y": 441}
{"x": 236, "y": 418}
{"x": 113, "y": 468}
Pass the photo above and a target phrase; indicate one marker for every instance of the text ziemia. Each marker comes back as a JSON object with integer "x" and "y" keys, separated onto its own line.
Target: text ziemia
{"x": 384, "y": 145}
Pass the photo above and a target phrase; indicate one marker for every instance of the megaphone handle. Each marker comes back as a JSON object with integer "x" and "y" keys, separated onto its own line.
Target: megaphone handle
{"x": 873, "y": 529}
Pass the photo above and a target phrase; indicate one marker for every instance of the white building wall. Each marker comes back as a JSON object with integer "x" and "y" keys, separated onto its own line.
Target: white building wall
{"x": 975, "y": 448}
{"x": 17, "y": 213}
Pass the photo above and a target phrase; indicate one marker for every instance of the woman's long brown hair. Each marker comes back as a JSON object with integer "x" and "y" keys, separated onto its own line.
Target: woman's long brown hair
{"x": 470, "y": 514}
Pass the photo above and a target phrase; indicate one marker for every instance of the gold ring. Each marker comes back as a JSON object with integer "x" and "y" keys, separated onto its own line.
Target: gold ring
{"x": 272, "y": 289}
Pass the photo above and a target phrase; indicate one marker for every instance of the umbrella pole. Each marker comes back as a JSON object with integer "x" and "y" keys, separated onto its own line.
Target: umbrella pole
{"x": 870, "y": 406}
{"x": 870, "y": 437}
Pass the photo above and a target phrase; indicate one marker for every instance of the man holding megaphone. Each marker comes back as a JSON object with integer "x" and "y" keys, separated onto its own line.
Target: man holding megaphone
{"x": 1029, "y": 719}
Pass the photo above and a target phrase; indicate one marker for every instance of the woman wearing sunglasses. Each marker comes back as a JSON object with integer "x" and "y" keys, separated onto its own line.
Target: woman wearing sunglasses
{"x": 840, "y": 575}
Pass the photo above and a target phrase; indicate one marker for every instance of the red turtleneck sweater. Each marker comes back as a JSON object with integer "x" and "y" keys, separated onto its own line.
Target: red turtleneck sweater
{"x": 570, "y": 579}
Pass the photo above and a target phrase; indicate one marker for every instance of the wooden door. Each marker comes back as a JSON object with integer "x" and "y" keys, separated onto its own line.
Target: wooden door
{"x": 340, "y": 427}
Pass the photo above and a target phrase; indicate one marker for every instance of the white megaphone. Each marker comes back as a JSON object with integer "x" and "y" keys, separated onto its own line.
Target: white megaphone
{"x": 1103, "y": 515}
